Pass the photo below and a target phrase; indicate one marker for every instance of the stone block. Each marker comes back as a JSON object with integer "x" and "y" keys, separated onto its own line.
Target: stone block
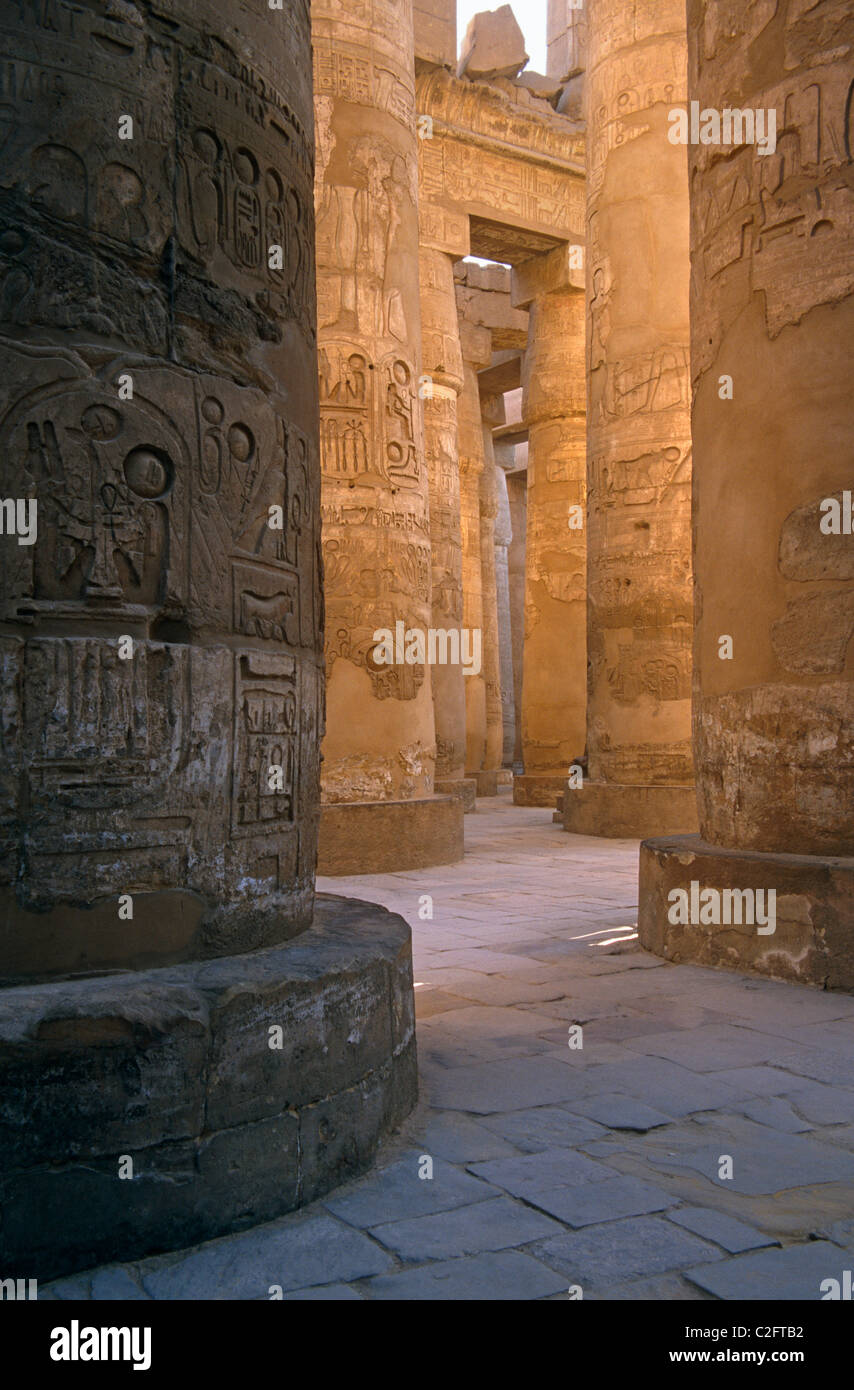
{"x": 377, "y": 837}
{"x": 813, "y": 942}
{"x": 494, "y": 45}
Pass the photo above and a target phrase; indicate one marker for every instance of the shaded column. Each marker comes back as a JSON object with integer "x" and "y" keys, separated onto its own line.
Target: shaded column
{"x": 161, "y": 647}
{"x": 164, "y": 1080}
{"x": 443, "y": 380}
{"x": 477, "y": 352}
{"x": 503, "y": 535}
{"x": 567, "y": 26}
{"x": 517, "y": 496}
{"x": 554, "y": 673}
{"x": 492, "y": 413}
{"x": 639, "y": 775}
{"x": 772, "y": 318}
{"x": 379, "y": 751}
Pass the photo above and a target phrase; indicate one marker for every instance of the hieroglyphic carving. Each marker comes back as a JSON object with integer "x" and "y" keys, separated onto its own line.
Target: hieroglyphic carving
{"x": 375, "y": 514}
{"x": 773, "y": 308}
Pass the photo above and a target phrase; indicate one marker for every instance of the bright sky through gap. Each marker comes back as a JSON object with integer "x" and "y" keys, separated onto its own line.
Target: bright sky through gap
{"x": 530, "y": 16}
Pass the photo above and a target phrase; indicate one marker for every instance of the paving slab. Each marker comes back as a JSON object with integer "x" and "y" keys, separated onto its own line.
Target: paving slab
{"x": 459, "y": 1139}
{"x": 324, "y": 1293}
{"x": 711, "y": 1047}
{"x": 735, "y": 1236}
{"x": 291, "y": 1253}
{"x": 509, "y": 1275}
{"x": 765, "y": 1161}
{"x": 544, "y": 1127}
{"x": 397, "y": 1192}
{"x": 621, "y": 1112}
{"x": 541, "y": 1171}
{"x": 795, "y": 1273}
{"x": 604, "y": 1256}
{"x": 493, "y": 1225}
{"x": 506, "y": 1085}
{"x": 592, "y": 1202}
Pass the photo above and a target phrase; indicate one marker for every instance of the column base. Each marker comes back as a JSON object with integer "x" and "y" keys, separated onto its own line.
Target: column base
{"x": 383, "y": 837}
{"x": 487, "y": 781}
{"x": 227, "y": 1122}
{"x": 537, "y": 788}
{"x": 628, "y": 812}
{"x": 813, "y": 940}
{"x": 463, "y": 787}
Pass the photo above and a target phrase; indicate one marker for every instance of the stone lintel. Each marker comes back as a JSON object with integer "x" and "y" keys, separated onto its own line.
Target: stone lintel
{"x": 514, "y": 433}
{"x": 444, "y": 229}
{"x": 382, "y": 837}
{"x": 476, "y": 343}
{"x": 502, "y": 376}
{"x": 813, "y": 940}
{"x": 546, "y": 274}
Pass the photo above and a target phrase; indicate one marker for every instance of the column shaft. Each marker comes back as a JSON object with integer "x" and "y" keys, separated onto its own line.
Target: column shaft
{"x": 554, "y": 672}
{"x": 639, "y": 776}
{"x": 379, "y": 751}
{"x": 772, "y": 319}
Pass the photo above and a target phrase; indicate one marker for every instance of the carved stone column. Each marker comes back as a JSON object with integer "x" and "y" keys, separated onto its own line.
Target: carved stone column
{"x": 477, "y": 352}
{"x": 517, "y": 495}
{"x": 443, "y": 380}
{"x": 160, "y": 656}
{"x": 492, "y": 413}
{"x": 554, "y": 675}
{"x": 772, "y": 309}
{"x": 379, "y": 752}
{"x": 567, "y": 27}
{"x": 503, "y": 536}
{"x": 639, "y": 775}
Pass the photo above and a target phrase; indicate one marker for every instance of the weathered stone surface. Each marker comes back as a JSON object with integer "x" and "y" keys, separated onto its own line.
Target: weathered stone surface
{"x": 639, "y": 610}
{"x": 492, "y": 1225}
{"x": 554, "y": 669}
{"x": 494, "y": 45}
{"x": 380, "y": 743}
{"x": 813, "y": 940}
{"x": 602, "y": 1256}
{"x": 724, "y": 1230}
{"x": 375, "y": 837}
{"x": 294, "y": 1253}
{"x": 227, "y": 1121}
{"x": 506, "y": 1276}
{"x": 796, "y": 1273}
{"x": 773, "y": 307}
{"x": 148, "y": 257}
{"x": 443, "y": 372}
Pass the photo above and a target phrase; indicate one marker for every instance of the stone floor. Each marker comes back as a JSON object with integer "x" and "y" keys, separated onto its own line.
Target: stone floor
{"x": 594, "y": 1169}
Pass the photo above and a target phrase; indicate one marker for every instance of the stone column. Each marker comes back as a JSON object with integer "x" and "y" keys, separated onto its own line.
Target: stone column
{"x": 554, "y": 672}
{"x": 503, "y": 535}
{"x": 161, "y": 651}
{"x": 566, "y": 31}
{"x": 772, "y": 320}
{"x": 443, "y": 380}
{"x": 517, "y": 495}
{"x": 379, "y": 810}
{"x": 492, "y": 413}
{"x": 477, "y": 352}
{"x": 639, "y": 775}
